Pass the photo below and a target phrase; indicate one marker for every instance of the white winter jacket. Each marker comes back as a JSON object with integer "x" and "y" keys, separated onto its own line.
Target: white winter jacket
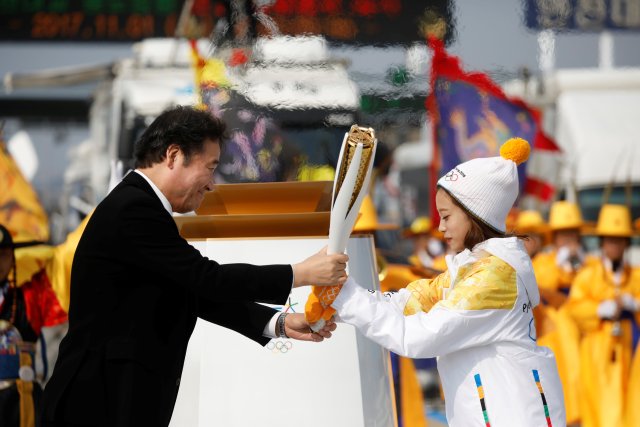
{"x": 480, "y": 326}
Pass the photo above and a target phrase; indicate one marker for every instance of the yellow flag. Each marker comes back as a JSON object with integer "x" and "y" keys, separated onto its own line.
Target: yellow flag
{"x": 20, "y": 209}
{"x": 59, "y": 269}
{"x": 31, "y": 260}
{"x": 207, "y": 72}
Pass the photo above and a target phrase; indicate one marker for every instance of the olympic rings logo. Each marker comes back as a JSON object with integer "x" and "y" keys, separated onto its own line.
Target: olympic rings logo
{"x": 279, "y": 346}
{"x": 451, "y": 176}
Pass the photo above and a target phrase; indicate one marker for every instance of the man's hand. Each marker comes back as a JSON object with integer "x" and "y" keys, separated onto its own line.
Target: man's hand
{"x": 321, "y": 269}
{"x": 297, "y": 328}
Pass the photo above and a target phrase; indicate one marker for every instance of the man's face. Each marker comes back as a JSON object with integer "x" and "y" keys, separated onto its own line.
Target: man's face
{"x": 569, "y": 238}
{"x": 614, "y": 247}
{"x": 190, "y": 182}
{"x": 6, "y": 262}
{"x": 533, "y": 244}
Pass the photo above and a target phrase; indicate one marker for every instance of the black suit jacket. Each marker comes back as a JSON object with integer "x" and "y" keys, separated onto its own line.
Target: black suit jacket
{"x": 137, "y": 288}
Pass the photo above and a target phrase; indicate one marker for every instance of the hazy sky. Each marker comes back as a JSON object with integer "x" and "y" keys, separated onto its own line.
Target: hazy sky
{"x": 490, "y": 36}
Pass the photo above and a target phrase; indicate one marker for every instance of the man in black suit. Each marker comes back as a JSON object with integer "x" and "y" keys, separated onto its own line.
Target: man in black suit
{"x": 137, "y": 287}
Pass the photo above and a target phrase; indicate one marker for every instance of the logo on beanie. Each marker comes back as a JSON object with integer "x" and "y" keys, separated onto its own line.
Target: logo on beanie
{"x": 454, "y": 174}
{"x": 451, "y": 176}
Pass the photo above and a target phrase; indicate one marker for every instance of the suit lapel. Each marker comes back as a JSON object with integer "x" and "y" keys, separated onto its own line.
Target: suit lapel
{"x": 134, "y": 179}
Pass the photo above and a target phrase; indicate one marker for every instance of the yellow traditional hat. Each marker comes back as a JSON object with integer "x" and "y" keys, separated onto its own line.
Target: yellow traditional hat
{"x": 614, "y": 221}
{"x": 565, "y": 215}
{"x": 530, "y": 221}
{"x": 420, "y": 226}
{"x": 368, "y": 218}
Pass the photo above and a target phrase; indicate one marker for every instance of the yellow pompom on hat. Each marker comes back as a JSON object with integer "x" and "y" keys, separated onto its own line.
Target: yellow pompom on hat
{"x": 614, "y": 221}
{"x": 516, "y": 150}
{"x": 488, "y": 187}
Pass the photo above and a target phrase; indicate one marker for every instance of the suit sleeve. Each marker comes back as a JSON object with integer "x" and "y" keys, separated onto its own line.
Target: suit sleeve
{"x": 246, "y": 318}
{"x": 150, "y": 240}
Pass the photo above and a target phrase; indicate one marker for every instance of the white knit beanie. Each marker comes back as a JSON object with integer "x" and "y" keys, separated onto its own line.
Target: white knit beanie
{"x": 488, "y": 187}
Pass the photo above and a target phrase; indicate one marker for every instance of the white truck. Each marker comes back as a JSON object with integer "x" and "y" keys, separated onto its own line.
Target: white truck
{"x": 291, "y": 80}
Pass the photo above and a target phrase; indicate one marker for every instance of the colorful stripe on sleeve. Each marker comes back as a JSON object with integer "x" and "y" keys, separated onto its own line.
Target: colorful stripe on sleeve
{"x": 482, "y": 403}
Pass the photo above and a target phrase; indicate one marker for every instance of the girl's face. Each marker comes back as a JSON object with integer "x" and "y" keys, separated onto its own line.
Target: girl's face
{"x": 454, "y": 222}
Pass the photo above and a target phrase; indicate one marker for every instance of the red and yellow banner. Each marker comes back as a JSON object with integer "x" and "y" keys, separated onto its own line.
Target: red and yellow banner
{"x": 20, "y": 208}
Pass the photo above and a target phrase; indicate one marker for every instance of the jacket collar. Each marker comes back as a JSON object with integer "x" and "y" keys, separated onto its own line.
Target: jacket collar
{"x": 137, "y": 180}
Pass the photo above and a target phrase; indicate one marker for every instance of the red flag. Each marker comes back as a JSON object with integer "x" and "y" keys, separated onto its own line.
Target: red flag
{"x": 472, "y": 117}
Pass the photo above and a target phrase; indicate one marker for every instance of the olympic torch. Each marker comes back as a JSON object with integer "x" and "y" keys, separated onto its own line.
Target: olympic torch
{"x": 350, "y": 186}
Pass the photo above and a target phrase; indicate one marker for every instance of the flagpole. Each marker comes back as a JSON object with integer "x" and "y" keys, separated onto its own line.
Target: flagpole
{"x": 546, "y": 61}
{"x": 546, "y": 53}
{"x": 435, "y": 218}
{"x": 434, "y": 167}
{"x": 605, "y": 50}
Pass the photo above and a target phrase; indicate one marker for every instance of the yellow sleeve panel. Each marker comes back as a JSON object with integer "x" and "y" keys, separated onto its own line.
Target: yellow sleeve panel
{"x": 425, "y": 293}
{"x": 489, "y": 283}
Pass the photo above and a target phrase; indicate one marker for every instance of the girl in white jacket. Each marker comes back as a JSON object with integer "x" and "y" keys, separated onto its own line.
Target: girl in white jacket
{"x": 477, "y": 316}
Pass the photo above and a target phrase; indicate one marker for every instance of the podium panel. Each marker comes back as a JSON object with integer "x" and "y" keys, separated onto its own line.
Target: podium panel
{"x": 231, "y": 381}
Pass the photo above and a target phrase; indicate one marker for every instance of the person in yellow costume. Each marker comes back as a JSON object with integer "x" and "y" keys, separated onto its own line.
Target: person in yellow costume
{"x": 409, "y": 398}
{"x": 633, "y": 398}
{"x": 605, "y": 303}
{"x": 556, "y": 268}
{"x": 531, "y": 224}
{"x": 428, "y": 247}
{"x": 429, "y": 259}
{"x": 632, "y": 412}
{"x": 554, "y": 273}
{"x": 26, "y": 307}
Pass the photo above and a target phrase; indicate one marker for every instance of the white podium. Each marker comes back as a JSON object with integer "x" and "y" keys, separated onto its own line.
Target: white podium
{"x": 230, "y": 381}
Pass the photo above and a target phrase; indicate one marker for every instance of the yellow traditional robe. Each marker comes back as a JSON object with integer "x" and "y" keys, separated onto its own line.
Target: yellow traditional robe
{"x": 396, "y": 277}
{"x": 556, "y": 329}
{"x": 633, "y": 397}
{"x": 605, "y": 357}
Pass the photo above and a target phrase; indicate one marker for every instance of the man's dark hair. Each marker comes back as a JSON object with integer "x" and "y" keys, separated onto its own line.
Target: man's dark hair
{"x": 187, "y": 127}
